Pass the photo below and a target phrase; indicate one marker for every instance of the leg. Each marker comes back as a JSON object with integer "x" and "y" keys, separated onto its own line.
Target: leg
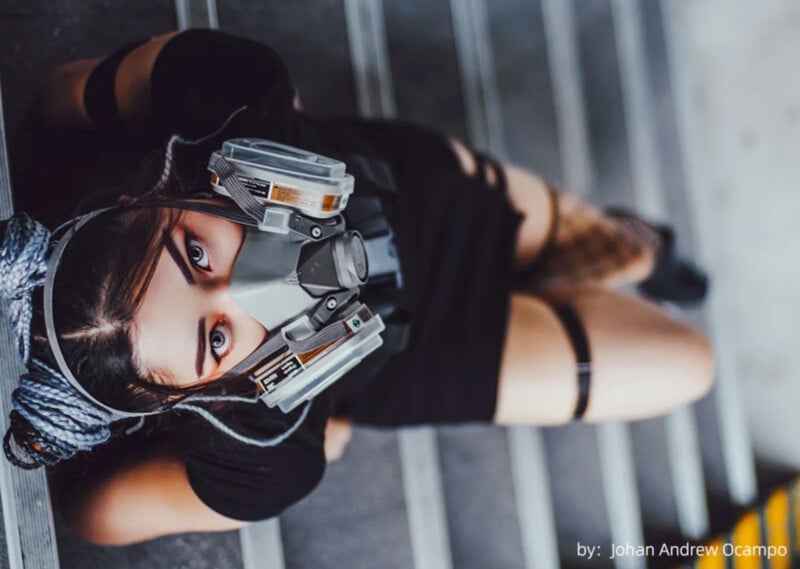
{"x": 644, "y": 363}
{"x": 163, "y": 87}
{"x": 62, "y": 102}
{"x": 338, "y": 432}
{"x": 529, "y": 196}
{"x": 587, "y": 249}
{"x": 132, "y": 82}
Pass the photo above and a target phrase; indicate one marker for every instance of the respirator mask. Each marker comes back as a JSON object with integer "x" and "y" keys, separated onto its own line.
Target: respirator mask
{"x": 299, "y": 269}
{"x": 298, "y": 272}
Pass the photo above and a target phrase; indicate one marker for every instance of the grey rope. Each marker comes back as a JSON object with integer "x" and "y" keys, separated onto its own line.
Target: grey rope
{"x": 23, "y": 265}
{"x": 65, "y": 422}
{"x": 223, "y": 428}
{"x": 166, "y": 172}
{"x": 134, "y": 428}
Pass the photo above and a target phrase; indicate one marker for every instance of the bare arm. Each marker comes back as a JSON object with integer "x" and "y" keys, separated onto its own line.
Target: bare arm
{"x": 152, "y": 497}
{"x": 138, "y": 502}
{"x": 338, "y": 432}
{"x": 61, "y": 104}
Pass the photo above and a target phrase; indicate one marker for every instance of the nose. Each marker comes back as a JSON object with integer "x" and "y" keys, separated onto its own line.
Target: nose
{"x": 215, "y": 298}
{"x": 214, "y": 284}
{"x": 211, "y": 295}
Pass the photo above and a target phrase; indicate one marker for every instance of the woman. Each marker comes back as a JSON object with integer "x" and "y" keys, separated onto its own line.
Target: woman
{"x": 505, "y": 312}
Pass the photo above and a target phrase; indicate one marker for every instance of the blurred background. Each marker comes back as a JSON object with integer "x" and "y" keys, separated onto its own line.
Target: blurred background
{"x": 688, "y": 111}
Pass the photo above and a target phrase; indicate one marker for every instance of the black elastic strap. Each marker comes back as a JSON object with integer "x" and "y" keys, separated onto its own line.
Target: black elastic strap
{"x": 524, "y": 275}
{"x": 580, "y": 346}
{"x": 482, "y": 164}
{"x": 550, "y": 239}
{"x": 99, "y": 97}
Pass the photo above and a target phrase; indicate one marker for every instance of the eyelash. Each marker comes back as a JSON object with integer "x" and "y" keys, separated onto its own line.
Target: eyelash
{"x": 190, "y": 242}
{"x": 219, "y": 326}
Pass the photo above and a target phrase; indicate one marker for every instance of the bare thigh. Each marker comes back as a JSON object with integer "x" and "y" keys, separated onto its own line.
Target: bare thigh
{"x": 132, "y": 81}
{"x": 644, "y": 362}
{"x": 529, "y": 196}
{"x": 615, "y": 258}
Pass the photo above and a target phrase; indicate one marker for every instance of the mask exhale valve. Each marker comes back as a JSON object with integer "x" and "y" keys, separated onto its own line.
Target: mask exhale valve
{"x": 299, "y": 270}
{"x": 335, "y": 264}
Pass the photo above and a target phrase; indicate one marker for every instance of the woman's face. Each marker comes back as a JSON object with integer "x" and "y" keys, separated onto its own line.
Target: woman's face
{"x": 187, "y": 329}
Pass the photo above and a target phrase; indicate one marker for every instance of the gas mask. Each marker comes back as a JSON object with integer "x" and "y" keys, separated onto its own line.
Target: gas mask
{"x": 298, "y": 271}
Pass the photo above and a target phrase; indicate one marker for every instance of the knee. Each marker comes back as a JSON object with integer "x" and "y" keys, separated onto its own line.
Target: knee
{"x": 646, "y": 362}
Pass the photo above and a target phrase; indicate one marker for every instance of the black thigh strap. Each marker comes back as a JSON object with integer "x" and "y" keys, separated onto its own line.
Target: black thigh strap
{"x": 482, "y": 164}
{"x": 580, "y": 345}
{"x": 99, "y": 97}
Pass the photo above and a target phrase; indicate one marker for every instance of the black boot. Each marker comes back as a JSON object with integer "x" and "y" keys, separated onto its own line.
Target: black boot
{"x": 673, "y": 279}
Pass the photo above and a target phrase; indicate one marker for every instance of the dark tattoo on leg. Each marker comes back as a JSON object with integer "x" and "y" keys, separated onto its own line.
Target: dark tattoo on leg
{"x": 591, "y": 249}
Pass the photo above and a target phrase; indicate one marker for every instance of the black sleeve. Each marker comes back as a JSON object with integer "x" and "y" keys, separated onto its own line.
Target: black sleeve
{"x": 251, "y": 483}
{"x": 198, "y": 79}
{"x": 254, "y": 485}
{"x": 201, "y": 76}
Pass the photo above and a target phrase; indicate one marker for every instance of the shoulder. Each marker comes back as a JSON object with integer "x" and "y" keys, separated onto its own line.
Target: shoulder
{"x": 247, "y": 481}
{"x": 143, "y": 495}
{"x": 255, "y": 486}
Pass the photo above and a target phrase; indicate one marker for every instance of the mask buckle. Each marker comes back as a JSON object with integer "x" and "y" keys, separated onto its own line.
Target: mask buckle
{"x": 275, "y": 220}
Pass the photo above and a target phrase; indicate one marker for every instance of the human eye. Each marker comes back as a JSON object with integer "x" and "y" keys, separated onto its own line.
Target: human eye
{"x": 197, "y": 253}
{"x": 219, "y": 340}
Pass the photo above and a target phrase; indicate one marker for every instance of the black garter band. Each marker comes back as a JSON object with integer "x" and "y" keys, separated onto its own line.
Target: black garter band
{"x": 580, "y": 346}
{"x": 526, "y": 275}
{"x": 99, "y": 97}
{"x": 482, "y": 164}
{"x": 566, "y": 314}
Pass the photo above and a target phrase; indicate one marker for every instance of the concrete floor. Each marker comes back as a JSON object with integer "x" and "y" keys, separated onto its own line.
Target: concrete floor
{"x": 727, "y": 114}
{"x": 743, "y": 84}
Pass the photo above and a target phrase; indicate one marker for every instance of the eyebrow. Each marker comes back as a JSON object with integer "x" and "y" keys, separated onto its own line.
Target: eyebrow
{"x": 200, "y": 358}
{"x": 177, "y": 258}
{"x": 172, "y": 249}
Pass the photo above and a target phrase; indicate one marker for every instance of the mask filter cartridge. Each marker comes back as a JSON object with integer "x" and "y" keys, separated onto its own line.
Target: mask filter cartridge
{"x": 299, "y": 270}
{"x": 277, "y": 174}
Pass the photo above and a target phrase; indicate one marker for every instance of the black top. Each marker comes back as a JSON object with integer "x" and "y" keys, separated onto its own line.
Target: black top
{"x": 247, "y": 482}
{"x": 454, "y": 236}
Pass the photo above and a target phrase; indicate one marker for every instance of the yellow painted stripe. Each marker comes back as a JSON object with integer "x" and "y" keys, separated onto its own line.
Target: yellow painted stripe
{"x": 776, "y": 516}
{"x": 781, "y": 518}
{"x": 746, "y": 533}
{"x": 715, "y": 559}
{"x": 795, "y": 499}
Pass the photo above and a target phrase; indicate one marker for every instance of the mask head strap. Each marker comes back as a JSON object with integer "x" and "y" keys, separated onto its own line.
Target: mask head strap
{"x": 243, "y": 198}
{"x": 49, "y": 320}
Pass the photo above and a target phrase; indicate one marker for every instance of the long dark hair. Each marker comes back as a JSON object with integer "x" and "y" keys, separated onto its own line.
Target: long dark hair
{"x": 100, "y": 283}
{"x": 99, "y": 286}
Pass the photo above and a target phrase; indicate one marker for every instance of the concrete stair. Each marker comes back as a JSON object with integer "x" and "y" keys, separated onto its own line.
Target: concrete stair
{"x": 544, "y": 83}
